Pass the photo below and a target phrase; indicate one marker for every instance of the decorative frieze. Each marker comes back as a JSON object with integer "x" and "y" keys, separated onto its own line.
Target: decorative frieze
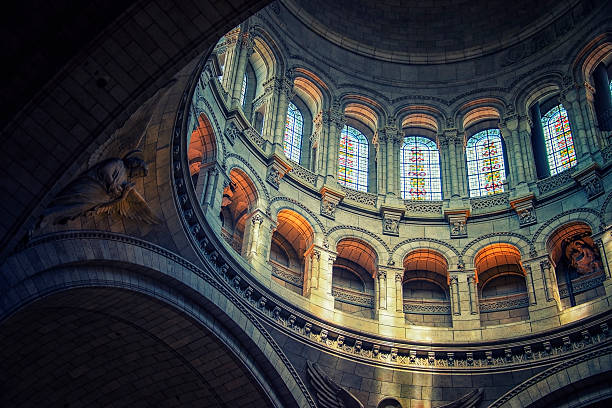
{"x": 563, "y": 179}
{"x": 330, "y": 199}
{"x": 427, "y": 308}
{"x": 525, "y": 210}
{"x": 581, "y": 285}
{"x": 255, "y": 137}
{"x": 504, "y": 303}
{"x": 231, "y": 132}
{"x": 359, "y": 196}
{"x": 490, "y": 202}
{"x": 426, "y": 207}
{"x": 287, "y": 275}
{"x": 353, "y": 297}
{"x": 303, "y": 174}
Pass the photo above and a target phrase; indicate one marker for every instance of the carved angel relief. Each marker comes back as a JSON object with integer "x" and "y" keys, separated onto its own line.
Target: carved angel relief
{"x": 103, "y": 189}
{"x": 331, "y": 395}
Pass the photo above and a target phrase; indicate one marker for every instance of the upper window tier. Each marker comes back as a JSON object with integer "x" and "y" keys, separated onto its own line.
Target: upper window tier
{"x": 420, "y": 169}
{"x": 485, "y": 163}
{"x": 353, "y": 159}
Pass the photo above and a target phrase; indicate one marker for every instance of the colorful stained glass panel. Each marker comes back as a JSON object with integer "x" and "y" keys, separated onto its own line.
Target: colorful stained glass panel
{"x": 353, "y": 159}
{"x": 558, "y": 140}
{"x": 420, "y": 169}
{"x": 485, "y": 163}
{"x": 294, "y": 129}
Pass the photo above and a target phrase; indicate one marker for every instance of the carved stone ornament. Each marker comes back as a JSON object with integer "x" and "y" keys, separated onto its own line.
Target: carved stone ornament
{"x": 277, "y": 168}
{"x": 457, "y": 221}
{"x": 525, "y": 210}
{"x": 590, "y": 180}
{"x": 231, "y": 132}
{"x": 329, "y": 202}
{"x": 103, "y": 189}
{"x": 391, "y": 217}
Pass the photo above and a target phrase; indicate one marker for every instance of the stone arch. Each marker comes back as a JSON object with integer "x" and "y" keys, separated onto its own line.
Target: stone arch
{"x": 450, "y": 253}
{"x": 365, "y": 110}
{"x": 588, "y": 57}
{"x": 107, "y": 260}
{"x": 338, "y": 233}
{"x": 477, "y": 110}
{"x": 605, "y": 214}
{"x": 541, "y": 387}
{"x": 420, "y": 115}
{"x": 279, "y": 203}
{"x": 201, "y": 145}
{"x": 521, "y": 242}
{"x": 312, "y": 85}
{"x": 235, "y": 161}
{"x": 389, "y": 403}
{"x": 270, "y": 53}
{"x": 589, "y": 216}
{"x": 537, "y": 89}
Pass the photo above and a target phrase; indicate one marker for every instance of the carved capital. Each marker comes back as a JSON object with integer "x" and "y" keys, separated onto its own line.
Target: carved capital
{"x": 525, "y": 210}
{"x": 457, "y": 220}
{"x": 329, "y": 201}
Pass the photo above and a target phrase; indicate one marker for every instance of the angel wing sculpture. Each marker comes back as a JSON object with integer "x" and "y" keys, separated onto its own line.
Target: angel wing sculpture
{"x": 103, "y": 189}
{"x": 329, "y": 394}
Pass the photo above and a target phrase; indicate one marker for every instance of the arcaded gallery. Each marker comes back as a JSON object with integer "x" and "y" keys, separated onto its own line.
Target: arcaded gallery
{"x": 306, "y": 203}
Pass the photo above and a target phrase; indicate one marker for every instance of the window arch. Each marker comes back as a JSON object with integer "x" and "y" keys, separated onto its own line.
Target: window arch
{"x": 558, "y": 140}
{"x": 353, "y": 159}
{"x": 485, "y": 163}
{"x": 420, "y": 169}
{"x": 243, "y": 91}
{"x": 294, "y": 130}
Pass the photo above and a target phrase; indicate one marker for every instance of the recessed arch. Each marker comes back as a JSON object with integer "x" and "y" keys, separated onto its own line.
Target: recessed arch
{"x": 202, "y": 146}
{"x": 239, "y": 200}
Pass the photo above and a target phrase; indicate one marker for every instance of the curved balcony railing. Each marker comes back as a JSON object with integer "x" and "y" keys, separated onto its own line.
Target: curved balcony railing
{"x": 353, "y": 297}
{"x": 506, "y": 302}
{"x": 427, "y": 307}
{"x": 287, "y": 275}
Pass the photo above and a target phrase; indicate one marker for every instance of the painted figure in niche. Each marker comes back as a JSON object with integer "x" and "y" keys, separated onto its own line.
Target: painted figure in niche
{"x": 105, "y": 188}
{"x": 581, "y": 256}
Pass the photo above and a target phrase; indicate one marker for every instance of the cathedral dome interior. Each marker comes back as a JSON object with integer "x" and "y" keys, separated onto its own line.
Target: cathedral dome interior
{"x": 307, "y": 204}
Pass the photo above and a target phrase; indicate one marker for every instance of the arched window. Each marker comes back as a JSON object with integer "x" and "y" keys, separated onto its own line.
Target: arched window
{"x": 420, "y": 169}
{"x": 293, "y": 133}
{"x": 244, "y": 89}
{"x": 353, "y": 159}
{"x": 558, "y": 139}
{"x": 485, "y": 163}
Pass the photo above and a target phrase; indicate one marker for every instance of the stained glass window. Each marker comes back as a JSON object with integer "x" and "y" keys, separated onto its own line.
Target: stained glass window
{"x": 610, "y": 87}
{"x": 243, "y": 90}
{"x": 353, "y": 159}
{"x": 420, "y": 169}
{"x": 293, "y": 133}
{"x": 558, "y": 140}
{"x": 485, "y": 163}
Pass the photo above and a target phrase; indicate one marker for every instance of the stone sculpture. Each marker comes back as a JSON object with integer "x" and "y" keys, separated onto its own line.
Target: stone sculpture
{"x": 103, "y": 189}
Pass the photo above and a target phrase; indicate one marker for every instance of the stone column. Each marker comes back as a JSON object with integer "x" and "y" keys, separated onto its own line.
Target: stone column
{"x": 466, "y": 317}
{"x": 244, "y": 50}
{"x": 524, "y": 137}
{"x": 271, "y": 96}
{"x": 543, "y": 307}
{"x": 454, "y": 294}
{"x": 285, "y": 95}
{"x": 312, "y": 270}
{"x": 570, "y": 101}
{"x": 231, "y": 59}
{"x": 473, "y": 291}
{"x": 382, "y": 290}
{"x": 321, "y": 298}
{"x": 445, "y": 165}
{"x": 336, "y": 121}
{"x": 252, "y": 239}
{"x": 530, "y": 287}
{"x": 389, "y": 134}
{"x": 399, "y": 293}
{"x": 510, "y": 134}
{"x": 456, "y": 157}
{"x": 604, "y": 244}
